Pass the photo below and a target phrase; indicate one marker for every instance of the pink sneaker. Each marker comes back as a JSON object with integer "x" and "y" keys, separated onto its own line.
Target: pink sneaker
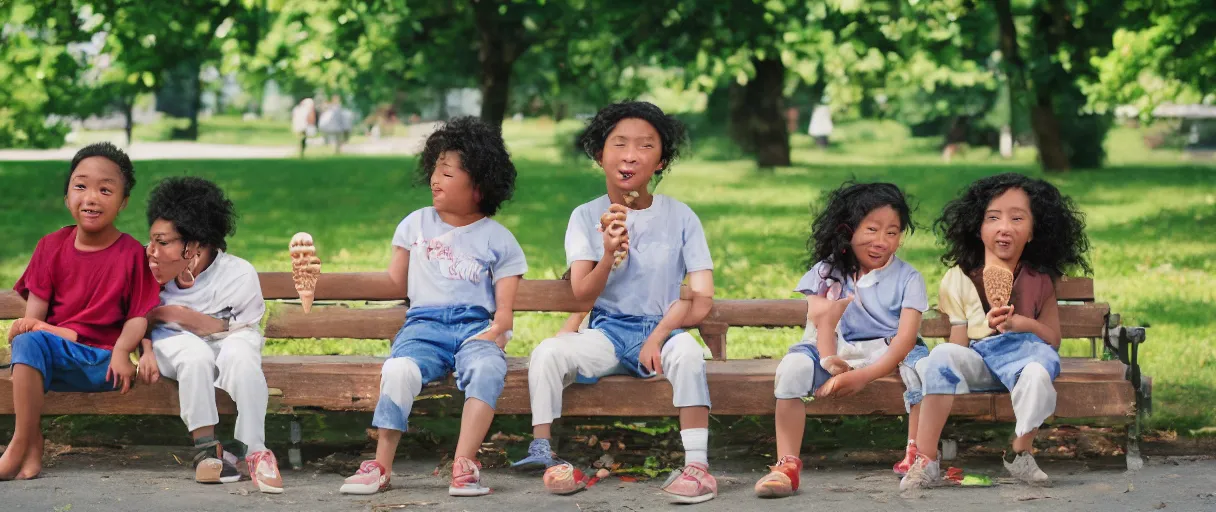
{"x": 466, "y": 478}
{"x": 691, "y": 484}
{"x": 371, "y": 478}
{"x": 264, "y": 470}
{"x": 782, "y": 479}
{"x": 901, "y": 467}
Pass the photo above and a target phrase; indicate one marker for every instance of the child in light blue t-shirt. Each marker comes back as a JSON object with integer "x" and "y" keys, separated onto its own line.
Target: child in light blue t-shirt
{"x": 463, "y": 271}
{"x": 864, "y": 311}
{"x": 637, "y": 317}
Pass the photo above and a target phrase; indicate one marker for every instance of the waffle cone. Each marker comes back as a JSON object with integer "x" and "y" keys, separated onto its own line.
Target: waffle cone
{"x": 998, "y": 285}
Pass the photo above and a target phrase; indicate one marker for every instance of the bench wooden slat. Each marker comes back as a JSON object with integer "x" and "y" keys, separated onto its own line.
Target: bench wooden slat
{"x": 290, "y": 321}
{"x": 534, "y": 295}
{"x": 538, "y": 295}
{"x": 351, "y": 383}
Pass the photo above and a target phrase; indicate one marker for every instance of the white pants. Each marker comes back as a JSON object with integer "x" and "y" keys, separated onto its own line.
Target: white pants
{"x": 557, "y": 362}
{"x": 952, "y": 369}
{"x": 233, "y": 364}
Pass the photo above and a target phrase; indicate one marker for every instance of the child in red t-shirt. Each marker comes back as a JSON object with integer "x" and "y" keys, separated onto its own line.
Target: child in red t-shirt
{"x": 87, "y": 289}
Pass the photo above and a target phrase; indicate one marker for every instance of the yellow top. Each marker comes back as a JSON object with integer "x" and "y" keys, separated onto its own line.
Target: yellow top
{"x": 960, "y": 301}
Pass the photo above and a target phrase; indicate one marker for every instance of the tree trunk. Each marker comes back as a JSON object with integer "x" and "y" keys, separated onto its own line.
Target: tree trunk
{"x": 1043, "y": 121}
{"x": 495, "y": 86}
{"x": 765, "y": 95}
{"x": 128, "y": 107}
{"x": 501, "y": 45}
{"x": 191, "y": 132}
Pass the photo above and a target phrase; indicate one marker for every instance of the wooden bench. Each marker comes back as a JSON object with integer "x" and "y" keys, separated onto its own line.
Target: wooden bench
{"x": 1087, "y": 388}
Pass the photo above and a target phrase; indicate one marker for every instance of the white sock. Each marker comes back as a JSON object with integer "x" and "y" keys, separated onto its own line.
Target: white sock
{"x": 696, "y": 445}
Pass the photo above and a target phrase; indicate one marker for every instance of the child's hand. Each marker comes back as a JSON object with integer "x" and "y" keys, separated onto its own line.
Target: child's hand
{"x": 23, "y": 325}
{"x": 845, "y": 384}
{"x": 828, "y": 313}
{"x": 651, "y": 356}
{"x": 121, "y": 372}
{"x": 1000, "y": 319}
{"x": 148, "y": 370}
{"x": 615, "y": 237}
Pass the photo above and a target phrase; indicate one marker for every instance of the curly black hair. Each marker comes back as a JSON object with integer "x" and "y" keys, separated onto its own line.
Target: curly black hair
{"x": 672, "y": 133}
{"x": 1058, "y": 242}
{"x": 196, "y": 207}
{"x": 109, "y": 152}
{"x": 483, "y": 154}
{"x": 843, "y": 209}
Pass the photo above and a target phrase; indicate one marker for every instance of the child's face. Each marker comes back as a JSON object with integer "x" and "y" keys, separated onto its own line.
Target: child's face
{"x": 452, "y": 189}
{"x": 632, "y": 153}
{"x": 167, "y": 253}
{"x": 877, "y": 237}
{"x": 1008, "y": 225}
{"x": 95, "y": 194}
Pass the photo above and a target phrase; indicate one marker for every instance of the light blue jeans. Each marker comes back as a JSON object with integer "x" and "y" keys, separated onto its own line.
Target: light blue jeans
{"x": 432, "y": 343}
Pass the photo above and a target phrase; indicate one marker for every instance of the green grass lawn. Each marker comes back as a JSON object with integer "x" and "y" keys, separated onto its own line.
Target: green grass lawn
{"x": 1151, "y": 217}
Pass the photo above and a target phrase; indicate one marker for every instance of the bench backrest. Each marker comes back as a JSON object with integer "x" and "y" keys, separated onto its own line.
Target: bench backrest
{"x": 1080, "y": 317}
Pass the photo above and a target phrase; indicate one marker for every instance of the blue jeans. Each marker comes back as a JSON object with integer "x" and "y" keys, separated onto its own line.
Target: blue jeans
{"x": 1007, "y": 354}
{"x": 65, "y": 365}
{"x": 439, "y": 340}
{"x": 627, "y": 333}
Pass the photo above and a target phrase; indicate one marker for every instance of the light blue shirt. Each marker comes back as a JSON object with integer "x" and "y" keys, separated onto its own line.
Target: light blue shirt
{"x": 452, "y": 266}
{"x": 666, "y": 242}
{"x": 878, "y": 298}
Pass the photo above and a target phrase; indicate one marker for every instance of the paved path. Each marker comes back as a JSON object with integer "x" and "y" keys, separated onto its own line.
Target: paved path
{"x": 182, "y": 150}
{"x": 150, "y": 479}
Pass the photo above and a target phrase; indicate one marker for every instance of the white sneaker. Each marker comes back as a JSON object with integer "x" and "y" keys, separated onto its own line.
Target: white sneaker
{"x": 1025, "y": 469}
{"x": 923, "y": 473}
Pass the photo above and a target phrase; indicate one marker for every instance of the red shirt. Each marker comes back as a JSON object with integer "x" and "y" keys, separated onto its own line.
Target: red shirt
{"x": 92, "y": 293}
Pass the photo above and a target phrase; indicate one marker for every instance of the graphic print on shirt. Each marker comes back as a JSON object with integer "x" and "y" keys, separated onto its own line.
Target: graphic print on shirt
{"x": 451, "y": 263}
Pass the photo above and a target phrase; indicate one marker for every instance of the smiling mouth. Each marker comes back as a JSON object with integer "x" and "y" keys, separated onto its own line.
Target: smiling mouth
{"x": 91, "y": 213}
{"x": 625, "y": 175}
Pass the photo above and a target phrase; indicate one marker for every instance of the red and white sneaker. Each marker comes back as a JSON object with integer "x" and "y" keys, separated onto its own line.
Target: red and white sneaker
{"x": 691, "y": 484}
{"x": 782, "y": 479}
{"x": 264, "y": 471}
{"x": 371, "y": 478}
{"x": 901, "y": 467}
{"x": 466, "y": 478}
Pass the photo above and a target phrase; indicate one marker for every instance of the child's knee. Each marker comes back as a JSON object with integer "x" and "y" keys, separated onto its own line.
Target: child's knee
{"x": 400, "y": 374}
{"x": 1035, "y": 375}
{"x": 684, "y": 353}
{"x": 545, "y": 353}
{"x": 795, "y": 376}
{"x": 484, "y": 379}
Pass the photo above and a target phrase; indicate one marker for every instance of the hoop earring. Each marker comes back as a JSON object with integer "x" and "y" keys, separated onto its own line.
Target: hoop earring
{"x": 188, "y": 272}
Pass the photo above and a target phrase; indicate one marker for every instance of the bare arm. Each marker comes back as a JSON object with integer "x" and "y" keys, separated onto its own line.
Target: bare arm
{"x": 132, "y": 334}
{"x": 573, "y": 322}
{"x": 504, "y": 313}
{"x": 186, "y": 318}
{"x": 399, "y": 268}
{"x": 36, "y": 309}
{"x": 701, "y": 286}
{"x": 958, "y": 335}
{"x": 1047, "y": 327}
{"x": 588, "y": 278}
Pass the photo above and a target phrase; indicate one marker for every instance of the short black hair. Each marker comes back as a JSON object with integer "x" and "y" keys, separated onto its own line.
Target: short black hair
{"x": 483, "y": 154}
{"x": 1058, "y": 242}
{"x": 197, "y": 208}
{"x": 672, "y": 133}
{"x": 109, "y": 152}
{"x": 843, "y": 209}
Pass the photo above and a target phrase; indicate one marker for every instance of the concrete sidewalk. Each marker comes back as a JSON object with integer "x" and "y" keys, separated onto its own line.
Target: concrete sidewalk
{"x": 152, "y": 479}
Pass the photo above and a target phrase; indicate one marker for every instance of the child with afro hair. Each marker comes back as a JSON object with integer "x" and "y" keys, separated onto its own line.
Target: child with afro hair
{"x": 463, "y": 270}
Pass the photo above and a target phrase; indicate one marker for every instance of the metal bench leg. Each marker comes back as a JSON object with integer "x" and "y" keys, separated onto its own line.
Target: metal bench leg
{"x": 949, "y": 449}
{"x": 293, "y": 453}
